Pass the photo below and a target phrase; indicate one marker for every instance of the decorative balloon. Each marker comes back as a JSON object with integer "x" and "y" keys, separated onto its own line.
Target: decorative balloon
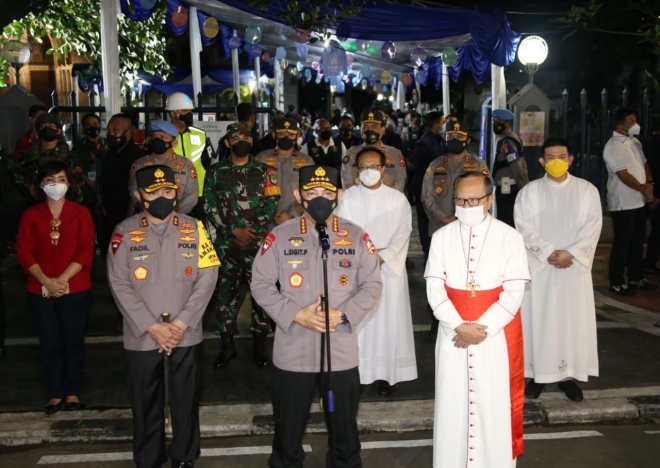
{"x": 256, "y": 50}
{"x": 235, "y": 42}
{"x": 180, "y": 17}
{"x": 284, "y": 64}
{"x": 406, "y": 79}
{"x": 362, "y": 45}
{"x": 385, "y": 77}
{"x": 315, "y": 65}
{"x": 308, "y": 73}
{"x": 300, "y": 66}
{"x": 318, "y": 79}
{"x": 388, "y": 51}
{"x": 364, "y": 84}
{"x": 449, "y": 56}
{"x": 356, "y": 81}
{"x": 303, "y": 35}
{"x": 302, "y": 51}
{"x": 366, "y": 70}
{"x": 349, "y": 59}
{"x": 371, "y": 80}
{"x": 417, "y": 56}
{"x": 280, "y": 53}
{"x": 253, "y": 34}
{"x": 293, "y": 71}
{"x": 420, "y": 76}
{"x": 211, "y": 27}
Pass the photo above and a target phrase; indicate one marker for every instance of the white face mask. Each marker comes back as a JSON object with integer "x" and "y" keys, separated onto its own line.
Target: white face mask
{"x": 470, "y": 216}
{"x": 634, "y": 130}
{"x": 370, "y": 177}
{"x": 299, "y": 141}
{"x": 55, "y": 191}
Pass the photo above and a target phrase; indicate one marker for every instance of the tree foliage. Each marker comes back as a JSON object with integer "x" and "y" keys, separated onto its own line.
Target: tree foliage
{"x": 75, "y": 26}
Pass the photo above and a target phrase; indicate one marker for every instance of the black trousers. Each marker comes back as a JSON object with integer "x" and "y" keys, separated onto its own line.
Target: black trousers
{"x": 292, "y": 398}
{"x": 653, "y": 241}
{"x": 423, "y": 227}
{"x": 147, "y": 394}
{"x": 3, "y": 310}
{"x": 505, "y": 204}
{"x": 628, "y": 245}
{"x": 61, "y": 329}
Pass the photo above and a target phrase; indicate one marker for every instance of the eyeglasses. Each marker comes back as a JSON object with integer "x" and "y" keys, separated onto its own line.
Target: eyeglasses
{"x": 364, "y": 168}
{"x": 469, "y": 201}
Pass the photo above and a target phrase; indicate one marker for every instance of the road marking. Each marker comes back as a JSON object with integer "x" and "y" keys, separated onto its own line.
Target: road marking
{"x": 396, "y": 444}
{"x": 127, "y": 456}
{"x": 652, "y": 432}
{"x": 562, "y": 435}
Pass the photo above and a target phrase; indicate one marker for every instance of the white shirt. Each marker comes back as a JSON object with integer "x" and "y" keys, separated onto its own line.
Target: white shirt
{"x": 624, "y": 152}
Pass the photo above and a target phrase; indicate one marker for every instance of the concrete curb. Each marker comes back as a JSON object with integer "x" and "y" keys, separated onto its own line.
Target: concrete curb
{"x": 626, "y": 404}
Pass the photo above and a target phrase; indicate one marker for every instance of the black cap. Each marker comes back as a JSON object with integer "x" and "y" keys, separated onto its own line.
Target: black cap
{"x": 152, "y": 178}
{"x": 457, "y": 127}
{"x": 318, "y": 176}
{"x": 373, "y": 116}
{"x": 286, "y": 125}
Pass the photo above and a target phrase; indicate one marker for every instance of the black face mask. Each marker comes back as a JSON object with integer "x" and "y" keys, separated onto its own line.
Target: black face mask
{"x": 320, "y": 208}
{"x": 48, "y": 134}
{"x": 92, "y": 132}
{"x": 160, "y": 208}
{"x": 116, "y": 142}
{"x": 186, "y": 119}
{"x": 325, "y": 135}
{"x": 371, "y": 137}
{"x": 241, "y": 148}
{"x": 158, "y": 146}
{"x": 285, "y": 143}
{"x": 346, "y": 132}
{"x": 456, "y": 146}
{"x": 498, "y": 128}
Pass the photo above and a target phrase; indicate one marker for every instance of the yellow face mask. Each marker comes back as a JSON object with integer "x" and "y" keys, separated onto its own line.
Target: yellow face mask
{"x": 556, "y": 168}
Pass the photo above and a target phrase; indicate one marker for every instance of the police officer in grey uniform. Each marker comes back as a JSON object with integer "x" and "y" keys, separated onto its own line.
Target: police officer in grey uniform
{"x": 287, "y": 280}
{"x": 160, "y": 261}
{"x": 373, "y": 129}
{"x": 438, "y": 183}
{"x": 509, "y": 168}
{"x": 288, "y": 162}
{"x": 162, "y": 143}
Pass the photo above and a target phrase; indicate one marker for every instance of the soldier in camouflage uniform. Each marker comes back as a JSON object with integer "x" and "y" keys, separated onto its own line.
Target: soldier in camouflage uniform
{"x": 240, "y": 196}
{"x": 288, "y": 162}
{"x": 49, "y": 146}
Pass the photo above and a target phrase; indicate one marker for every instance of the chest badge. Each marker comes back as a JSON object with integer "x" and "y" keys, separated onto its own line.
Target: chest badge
{"x": 345, "y": 263}
{"x": 187, "y": 238}
{"x": 140, "y": 258}
{"x": 296, "y": 280}
{"x": 343, "y": 280}
{"x": 137, "y": 232}
{"x": 188, "y": 255}
{"x": 137, "y": 239}
{"x": 343, "y": 233}
{"x": 439, "y": 190}
{"x": 188, "y": 271}
{"x": 294, "y": 263}
{"x": 177, "y": 165}
{"x": 296, "y": 241}
{"x": 187, "y": 229}
{"x": 387, "y": 181}
{"x": 343, "y": 242}
{"x": 141, "y": 273}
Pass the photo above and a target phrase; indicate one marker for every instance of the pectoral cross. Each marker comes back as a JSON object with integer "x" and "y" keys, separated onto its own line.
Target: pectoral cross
{"x": 473, "y": 287}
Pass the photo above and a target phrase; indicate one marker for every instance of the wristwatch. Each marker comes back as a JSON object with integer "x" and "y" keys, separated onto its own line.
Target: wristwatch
{"x": 344, "y": 319}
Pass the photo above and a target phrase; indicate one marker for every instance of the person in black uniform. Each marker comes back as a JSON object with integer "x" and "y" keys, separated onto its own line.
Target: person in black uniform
{"x": 346, "y": 135}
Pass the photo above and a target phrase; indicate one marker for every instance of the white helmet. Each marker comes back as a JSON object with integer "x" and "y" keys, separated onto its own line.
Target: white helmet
{"x": 179, "y": 101}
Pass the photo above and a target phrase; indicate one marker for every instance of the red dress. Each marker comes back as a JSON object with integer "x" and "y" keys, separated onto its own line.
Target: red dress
{"x": 76, "y": 244}
{"x": 24, "y": 143}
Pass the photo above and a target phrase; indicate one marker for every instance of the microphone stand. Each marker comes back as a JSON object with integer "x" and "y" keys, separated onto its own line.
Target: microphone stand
{"x": 324, "y": 240}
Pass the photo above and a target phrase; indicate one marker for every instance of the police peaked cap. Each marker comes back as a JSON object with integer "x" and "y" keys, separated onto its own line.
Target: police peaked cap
{"x": 457, "y": 127}
{"x": 152, "y": 178}
{"x": 369, "y": 116}
{"x": 285, "y": 125}
{"x": 318, "y": 176}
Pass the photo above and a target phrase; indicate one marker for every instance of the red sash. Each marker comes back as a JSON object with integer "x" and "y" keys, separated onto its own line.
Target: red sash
{"x": 470, "y": 309}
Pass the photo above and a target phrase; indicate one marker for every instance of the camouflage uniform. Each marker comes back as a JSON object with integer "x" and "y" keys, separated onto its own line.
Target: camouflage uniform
{"x": 238, "y": 197}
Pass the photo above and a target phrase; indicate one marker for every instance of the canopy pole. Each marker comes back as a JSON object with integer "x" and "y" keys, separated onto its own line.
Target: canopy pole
{"x": 236, "y": 72}
{"x": 195, "y": 50}
{"x": 258, "y": 116}
{"x": 418, "y": 87}
{"x": 110, "y": 56}
{"x": 446, "y": 103}
{"x": 279, "y": 86}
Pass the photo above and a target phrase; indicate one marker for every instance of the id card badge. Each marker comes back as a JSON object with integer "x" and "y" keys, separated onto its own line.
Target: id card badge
{"x": 506, "y": 186}
{"x": 91, "y": 175}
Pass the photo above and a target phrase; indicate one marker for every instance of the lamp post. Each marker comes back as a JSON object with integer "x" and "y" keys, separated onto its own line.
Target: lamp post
{"x": 17, "y": 53}
{"x": 532, "y": 52}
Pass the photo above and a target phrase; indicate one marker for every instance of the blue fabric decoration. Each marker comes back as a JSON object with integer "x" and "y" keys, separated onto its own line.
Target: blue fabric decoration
{"x": 171, "y": 6}
{"x": 140, "y": 14}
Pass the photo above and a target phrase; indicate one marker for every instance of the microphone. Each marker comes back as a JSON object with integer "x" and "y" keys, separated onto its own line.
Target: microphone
{"x": 324, "y": 240}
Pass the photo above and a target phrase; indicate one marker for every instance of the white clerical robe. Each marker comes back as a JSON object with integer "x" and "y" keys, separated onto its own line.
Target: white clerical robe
{"x": 474, "y": 412}
{"x": 385, "y": 336}
{"x": 558, "y": 311}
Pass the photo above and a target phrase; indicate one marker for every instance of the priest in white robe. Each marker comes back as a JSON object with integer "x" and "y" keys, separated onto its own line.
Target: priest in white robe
{"x": 385, "y": 336}
{"x": 475, "y": 280}
{"x": 560, "y": 218}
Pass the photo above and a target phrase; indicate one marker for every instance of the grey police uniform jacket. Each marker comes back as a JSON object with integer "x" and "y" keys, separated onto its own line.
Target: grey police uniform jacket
{"x": 509, "y": 162}
{"x": 438, "y": 186}
{"x": 287, "y": 177}
{"x": 185, "y": 177}
{"x": 395, "y": 170}
{"x": 149, "y": 274}
{"x": 291, "y": 255}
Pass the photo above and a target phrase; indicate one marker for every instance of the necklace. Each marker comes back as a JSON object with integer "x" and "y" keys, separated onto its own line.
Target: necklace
{"x": 472, "y": 284}
{"x": 55, "y": 224}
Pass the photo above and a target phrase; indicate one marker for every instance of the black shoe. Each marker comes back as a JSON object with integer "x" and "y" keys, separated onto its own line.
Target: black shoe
{"x": 3, "y": 352}
{"x": 178, "y": 464}
{"x": 533, "y": 390}
{"x": 227, "y": 351}
{"x": 652, "y": 270}
{"x": 643, "y": 285}
{"x": 623, "y": 290}
{"x": 571, "y": 389}
{"x": 74, "y": 406}
{"x": 52, "y": 409}
{"x": 259, "y": 349}
{"x": 385, "y": 389}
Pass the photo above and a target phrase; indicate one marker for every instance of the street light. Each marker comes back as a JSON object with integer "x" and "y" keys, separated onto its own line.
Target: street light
{"x": 17, "y": 53}
{"x": 532, "y": 52}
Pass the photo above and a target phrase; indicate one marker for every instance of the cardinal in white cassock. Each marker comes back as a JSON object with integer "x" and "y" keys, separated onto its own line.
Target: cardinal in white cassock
{"x": 560, "y": 218}
{"x": 385, "y": 336}
{"x": 475, "y": 281}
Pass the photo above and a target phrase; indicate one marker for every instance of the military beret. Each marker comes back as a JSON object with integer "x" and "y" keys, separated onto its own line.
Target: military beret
{"x": 164, "y": 126}
{"x": 286, "y": 125}
{"x": 152, "y": 178}
{"x": 318, "y": 176}
{"x": 47, "y": 118}
{"x": 238, "y": 128}
{"x": 504, "y": 114}
{"x": 457, "y": 127}
{"x": 369, "y": 116}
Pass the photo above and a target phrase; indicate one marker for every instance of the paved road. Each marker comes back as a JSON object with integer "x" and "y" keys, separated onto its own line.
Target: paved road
{"x": 565, "y": 447}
